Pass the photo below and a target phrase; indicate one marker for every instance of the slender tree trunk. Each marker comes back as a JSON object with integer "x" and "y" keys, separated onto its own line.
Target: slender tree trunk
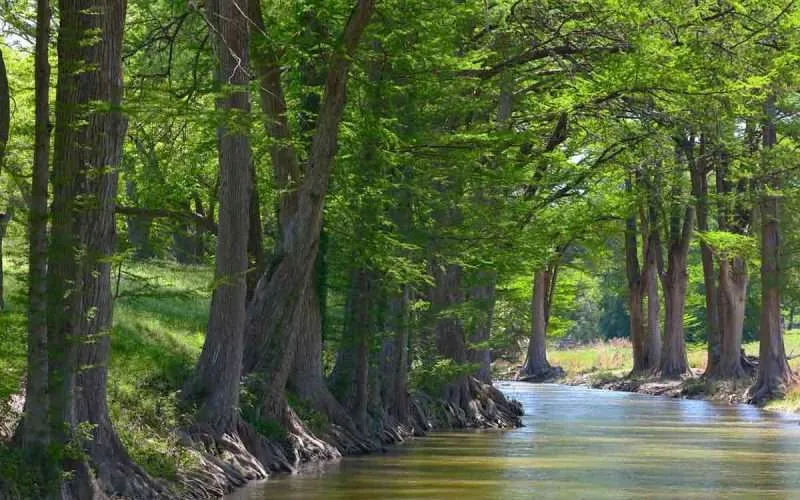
{"x": 699, "y": 176}
{"x": 650, "y": 273}
{"x": 635, "y": 293}
{"x": 35, "y": 427}
{"x": 5, "y": 127}
{"x": 255, "y": 238}
{"x": 536, "y": 363}
{"x": 483, "y": 294}
{"x": 446, "y": 295}
{"x": 394, "y": 368}
{"x": 774, "y": 372}
{"x": 218, "y": 372}
{"x": 351, "y": 375}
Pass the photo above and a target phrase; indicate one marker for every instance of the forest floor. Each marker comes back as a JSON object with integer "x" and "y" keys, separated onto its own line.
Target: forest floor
{"x": 606, "y": 365}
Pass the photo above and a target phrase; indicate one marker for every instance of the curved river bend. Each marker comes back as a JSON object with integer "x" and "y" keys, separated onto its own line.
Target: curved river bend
{"x": 576, "y": 443}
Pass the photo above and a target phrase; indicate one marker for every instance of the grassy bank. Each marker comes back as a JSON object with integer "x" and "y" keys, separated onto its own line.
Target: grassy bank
{"x": 614, "y": 359}
{"x": 160, "y": 314}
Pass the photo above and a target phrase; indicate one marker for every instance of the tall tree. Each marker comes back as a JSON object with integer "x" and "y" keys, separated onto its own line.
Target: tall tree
{"x": 88, "y": 143}
{"x": 219, "y": 369}
{"x": 275, "y": 312}
{"x": 675, "y": 280}
{"x": 5, "y": 128}
{"x": 35, "y": 427}
{"x": 773, "y": 368}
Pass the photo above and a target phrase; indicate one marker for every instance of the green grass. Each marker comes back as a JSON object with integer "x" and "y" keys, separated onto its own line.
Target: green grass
{"x": 616, "y": 356}
{"x": 160, "y": 319}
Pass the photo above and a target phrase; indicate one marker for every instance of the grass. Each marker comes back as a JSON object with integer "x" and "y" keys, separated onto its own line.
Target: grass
{"x": 160, "y": 317}
{"x": 615, "y": 356}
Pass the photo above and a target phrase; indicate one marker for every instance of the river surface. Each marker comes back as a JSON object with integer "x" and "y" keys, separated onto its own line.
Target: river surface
{"x": 576, "y": 443}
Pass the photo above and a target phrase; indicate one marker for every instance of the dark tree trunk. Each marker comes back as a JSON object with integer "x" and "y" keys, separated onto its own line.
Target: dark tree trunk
{"x": 88, "y": 146}
{"x": 447, "y": 295}
{"x": 699, "y": 176}
{"x": 536, "y": 363}
{"x": 255, "y": 238}
{"x": 651, "y": 273}
{"x": 271, "y": 336}
{"x": 350, "y": 378}
{"x": 218, "y": 373}
{"x": 483, "y": 295}
{"x": 394, "y": 358}
{"x": 774, "y": 372}
{"x": 5, "y": 127}
{"x": 635, "y": 294}
{"x": 35, "y": 427}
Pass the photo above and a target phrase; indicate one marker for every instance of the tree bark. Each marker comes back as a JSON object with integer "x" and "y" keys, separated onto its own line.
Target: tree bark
{"x": 635, "y": 293}
{"x": 350, "y": 378}
{"x": 699, "y": 176}
{"x": 5, "y": 128}
{"x": 394, "y": 357}
{"x": 483, "y": 295}
{"x": 217, "y": 378}
{"x": 536, "y": 363}
{"x": 650, "y": 273}
{"x": 446, "y": 295}
{"x": 774, "y": 372}
{"x": 674, "y": 361}
{"x": 255, "y": 238}
{"x": 35, "y": 427}
{"x": 88, "y": 147}
{"x": 271, "y": 339}
{"x": 733, "y": 279}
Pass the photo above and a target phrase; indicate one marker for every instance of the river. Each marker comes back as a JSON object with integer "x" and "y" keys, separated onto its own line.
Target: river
{"x": 576, "y": 443}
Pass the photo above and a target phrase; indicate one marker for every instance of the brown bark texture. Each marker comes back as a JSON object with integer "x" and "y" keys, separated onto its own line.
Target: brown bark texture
{"x": 217, "y": 376}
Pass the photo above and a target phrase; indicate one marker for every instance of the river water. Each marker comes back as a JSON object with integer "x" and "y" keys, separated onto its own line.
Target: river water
{"x": 576, "y": 443}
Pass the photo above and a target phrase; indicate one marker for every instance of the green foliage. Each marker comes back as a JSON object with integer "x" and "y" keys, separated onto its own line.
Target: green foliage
{"x": 432, "y": 378}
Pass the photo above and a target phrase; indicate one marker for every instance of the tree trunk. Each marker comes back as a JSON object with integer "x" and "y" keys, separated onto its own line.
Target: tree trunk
{"x": 271, "y": 338}
{"x": 394, "y": 359}
{"x": 733, "y": 280}
{"x": 699, "y": 176}
{"x": 5, "y": 127}
{"x": 483, "y": 294}
{"x": 650, "y": 273}
{"x": 536, "y": 363}
{"x": 635, "y": 293}
{"x": 35, "y": 428}
{"x": 307, "y": 379}
{"x": 447, "y": 295}
{"x": 350, "y": 378}
{"x": 674, "y": 362}
{"x": 774, "y": 372}
{"x": 218, "y": 372}
{"x": 88, "y": 146}
{"x": 255, "y": 238}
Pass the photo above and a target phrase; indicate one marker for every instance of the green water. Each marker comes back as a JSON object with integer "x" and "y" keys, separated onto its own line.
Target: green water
{"x": 576, "y": 443}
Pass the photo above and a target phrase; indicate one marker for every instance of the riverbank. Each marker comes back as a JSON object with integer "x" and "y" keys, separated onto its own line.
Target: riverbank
{"x": 607, "y": 365}
{"x": 160, "y": 317}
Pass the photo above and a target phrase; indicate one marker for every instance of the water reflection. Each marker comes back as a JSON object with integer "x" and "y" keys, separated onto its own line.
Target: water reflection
{"x": 577, "y": 443}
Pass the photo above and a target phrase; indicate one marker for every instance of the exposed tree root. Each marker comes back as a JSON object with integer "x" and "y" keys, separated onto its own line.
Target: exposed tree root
{"x": 486, "y": 407}
{"x": 547, "y": 375}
